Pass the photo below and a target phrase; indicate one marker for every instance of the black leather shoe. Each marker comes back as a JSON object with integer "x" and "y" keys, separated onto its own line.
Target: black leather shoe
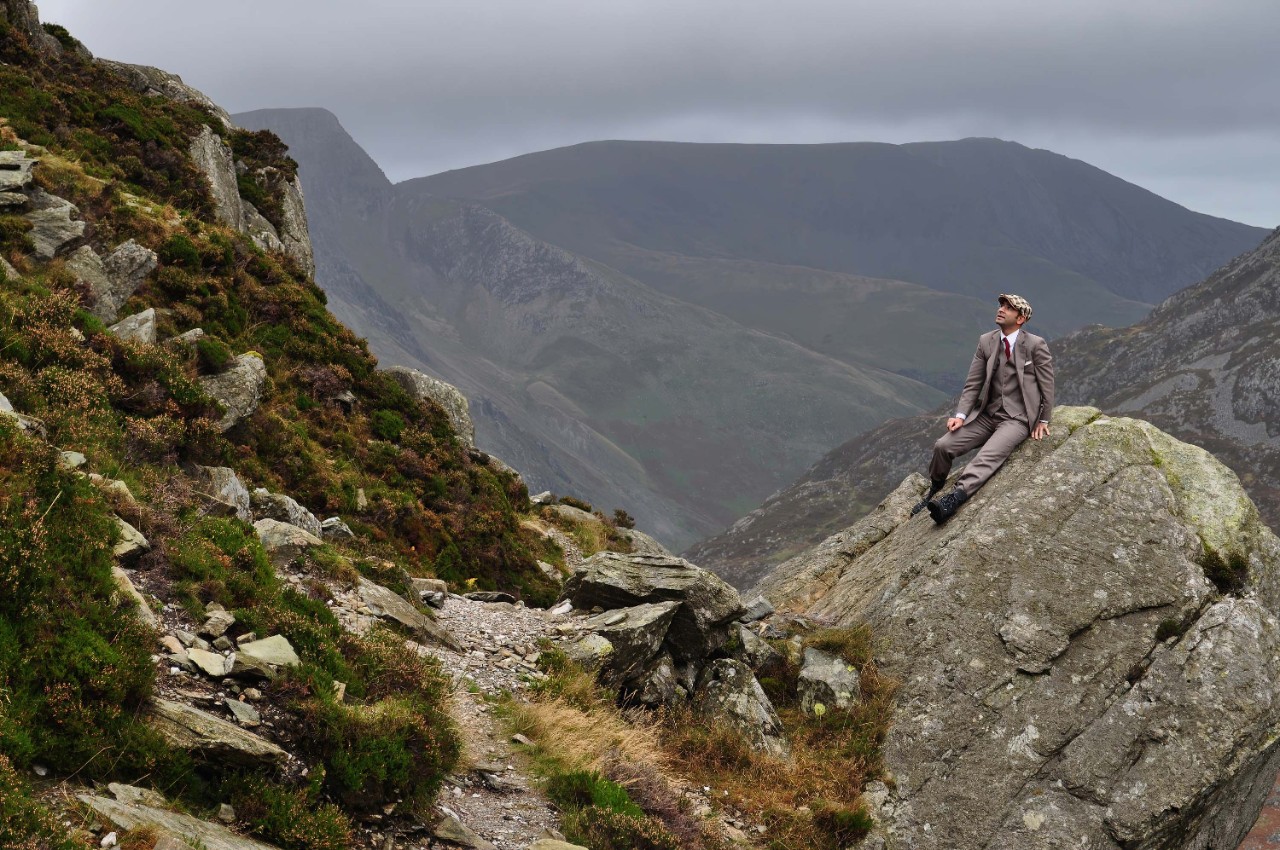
{"x": 935, "y": 487}
{"x": 945, "y": 508}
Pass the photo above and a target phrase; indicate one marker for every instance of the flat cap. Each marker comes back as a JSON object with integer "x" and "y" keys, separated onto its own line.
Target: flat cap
{"x": 1018, "y": 303}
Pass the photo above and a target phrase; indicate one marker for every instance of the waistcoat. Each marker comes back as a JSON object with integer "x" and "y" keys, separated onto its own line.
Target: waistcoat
{"x": 1006, "y": 392}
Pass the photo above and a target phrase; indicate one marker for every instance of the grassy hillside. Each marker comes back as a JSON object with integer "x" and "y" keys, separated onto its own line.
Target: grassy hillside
{"x": 76, "y": 666}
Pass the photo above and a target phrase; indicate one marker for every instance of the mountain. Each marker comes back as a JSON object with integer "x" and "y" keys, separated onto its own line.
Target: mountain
{"x": 972, "y": 217}
{"x": 1202, "y": 367}
{"x": 743, "y": 314}
{"x": 579, "y": 375}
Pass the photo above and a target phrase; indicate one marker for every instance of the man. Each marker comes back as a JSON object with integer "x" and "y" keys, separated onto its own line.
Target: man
{"x": 1007, "y": 397}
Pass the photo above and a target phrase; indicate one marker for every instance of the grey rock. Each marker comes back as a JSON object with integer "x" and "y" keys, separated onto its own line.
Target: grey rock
{"x": 574, "y": 515}
{"x": 30, "y": 424}
{"x": 277, "y": 506}
{"x": 256, "y": 227}
{"x": 543, "y": 498}
{"x": 590, "y": 652}
{"x": 643, "y": 544}
{"x": 758, "y": 609}
{"x": 423, "y": 586}
{"x": 134, "y": 794}
{"x": 190, "y": 337}
{"x": 284, "y": 543}
{"x": 554, "y": 844}
{"x": 213, "y": 158}
{"x": 275, "y": 650}
{"x": 293, "y": 230}
{"x": 217, "y": 621}
{"x": 490, "y": 596}
{"x": 88, "y": 269}
{"x": 5, "y": 406}
{"x": 426, "y": 388}
{"x": 199, "y": 732}
{"x": 245, "y": 714}
{"x": 657, "y": 685}
{"x": 153, "y": 81}
{"x": 140, "y": 327}
{"x": 126, "y": 268}
{"x": 193, "y": 831}
{"x": 222, "y": 485}
{"x": 728, "y": 693}
{"x": 708, "y": 604}
{"x": 456, "y": 832}
{"x": 52, "y": 226}
{"x": 1036, "y": 706}
{"x": 16, "y": 172}
{"x": 754, "y": 651}
{"x": 226, "y": 814}
{"x": 334, "y": 528}
{"x": 12, "y": 200}
{"x": 636, "y": 634}
{"x": 71, "y": 460}
{"x": 8, "y": 272}
{"x": 141, "y": 608}
{"x": 238, "y": 389}
{"x": 827, "y": 680}
{"x": 388, "y": 606}
{"x": 131, "y": 546}
{"x": 212, "y": 664}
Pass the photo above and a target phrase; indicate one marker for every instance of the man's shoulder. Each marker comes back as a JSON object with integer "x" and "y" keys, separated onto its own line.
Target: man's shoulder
{"x": 1033, "y": 339}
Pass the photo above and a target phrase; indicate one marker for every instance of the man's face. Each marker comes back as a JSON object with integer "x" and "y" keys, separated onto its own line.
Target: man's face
{"x": 1008, "y": 318}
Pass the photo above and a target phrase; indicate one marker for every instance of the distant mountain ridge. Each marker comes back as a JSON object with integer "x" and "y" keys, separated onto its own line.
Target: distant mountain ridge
{"x": 680, "y": 329}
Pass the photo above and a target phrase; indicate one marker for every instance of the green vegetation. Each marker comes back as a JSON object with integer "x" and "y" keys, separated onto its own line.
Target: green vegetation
{"x": 75, "y": 664}
{"x": 25, "y": 825}
{"x": 1229, "y": 574}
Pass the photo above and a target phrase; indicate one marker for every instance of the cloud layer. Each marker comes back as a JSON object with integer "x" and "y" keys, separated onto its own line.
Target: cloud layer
{"x": 1175, "y": 95}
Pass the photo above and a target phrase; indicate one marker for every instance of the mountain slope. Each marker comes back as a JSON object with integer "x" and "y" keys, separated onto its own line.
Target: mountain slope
{"x": 972, "y": 217}
{"x": 1202, "y": 367}
{"x": 580, "y": 376}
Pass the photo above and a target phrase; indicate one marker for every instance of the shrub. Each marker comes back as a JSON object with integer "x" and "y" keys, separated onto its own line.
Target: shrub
{"x": 622, "y": 519}
{"x": 24, "y": 825}
{"x": 387, "y": 425}
{"x": 179, "y": 250}
{"x": 1229, "y": 574}
{"x": 580, "y": 788}
{"x": 576, "y": 503}
{"x": 604, "y": 829}
{"x": 212, "y": 353}
{"x": 841, "y": 826}
{"x": 290, "y": 817}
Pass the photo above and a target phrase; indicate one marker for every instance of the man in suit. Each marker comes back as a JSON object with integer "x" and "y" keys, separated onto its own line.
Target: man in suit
{"x": 1007, "y": 397}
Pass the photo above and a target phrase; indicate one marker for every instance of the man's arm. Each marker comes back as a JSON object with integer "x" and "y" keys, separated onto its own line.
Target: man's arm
{"x": 1042, "y": 365}
{"x": 972, "y": 386}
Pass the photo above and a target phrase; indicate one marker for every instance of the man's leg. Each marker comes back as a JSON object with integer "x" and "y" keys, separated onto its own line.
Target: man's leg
{"x": 1007, "y": 435}
{"x": 952, "y": 444}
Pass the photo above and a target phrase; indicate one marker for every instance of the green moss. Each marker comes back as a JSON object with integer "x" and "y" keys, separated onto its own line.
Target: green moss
{"x": 179, "y": 250}
{"x": 1229, "y": 574}
{"x": 213, "y": 353}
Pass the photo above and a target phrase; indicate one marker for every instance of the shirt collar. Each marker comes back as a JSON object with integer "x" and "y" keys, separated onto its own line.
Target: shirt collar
{"x": 1013, "y": 337}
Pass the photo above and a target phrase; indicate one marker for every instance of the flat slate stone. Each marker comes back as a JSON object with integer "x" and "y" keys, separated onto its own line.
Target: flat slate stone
{"x": 201, "y": 732}
{"x": 273, "y": 650}
{"x": 195, "y": 832}
{"x": 389, "y": 606}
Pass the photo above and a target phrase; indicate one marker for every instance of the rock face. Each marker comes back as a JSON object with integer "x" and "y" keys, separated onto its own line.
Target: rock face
{"x": 223, "y": 487}
{"x": 707, "y": 604}
{"x": 728, "y": 692}
{"x": 267, "y": 505}
{"x": 214, "y": 159}
{"x": 147, "y": 80}
{"x": 52, "y": 225}
{"x": 284, "y": 543}
{"x": 1070, "y": 676}
{"x": 140, "y": 327}
{"x": 238, "y": 388}
{"x": 427, "y": 388}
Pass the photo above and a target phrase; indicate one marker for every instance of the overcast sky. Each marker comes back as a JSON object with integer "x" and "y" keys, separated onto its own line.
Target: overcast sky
{"x": 1180, "y": 97}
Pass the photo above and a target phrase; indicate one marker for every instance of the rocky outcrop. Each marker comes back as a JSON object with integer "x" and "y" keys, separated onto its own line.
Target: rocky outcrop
{"x": 707, "y": 605}
{"x": 389, "y": 606}
{"x": 52, "y": 224}
{"x": 727, "y": 692}
{"x": 426, "y": 388}
{"x": 24, "y": 15}
{"x": 192, "y": 831}
{"x": 238, "y": 388}
{"x": 153, "y": 81}
{"x": 213, "y": 157}
{"x": 268, "y": 505}
{"x": 113, "y": 279}
{"x": 1087, "y": 651}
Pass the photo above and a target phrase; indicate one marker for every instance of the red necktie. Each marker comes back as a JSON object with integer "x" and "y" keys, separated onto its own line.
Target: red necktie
{"x": 1007, "y": 354}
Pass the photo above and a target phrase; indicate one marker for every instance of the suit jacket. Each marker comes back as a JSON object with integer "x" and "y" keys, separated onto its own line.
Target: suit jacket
{"x": 1035, "y": 375}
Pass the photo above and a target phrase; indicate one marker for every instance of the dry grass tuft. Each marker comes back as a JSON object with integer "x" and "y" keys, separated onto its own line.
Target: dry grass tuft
{"x": 589, "y": 740}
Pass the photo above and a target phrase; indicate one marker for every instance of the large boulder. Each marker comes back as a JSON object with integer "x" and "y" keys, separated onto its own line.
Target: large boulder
{"x": 426, "y": 388}
{"x": 707, "y": 604}
{"x": 1089, "y": 650}
{"x": 238, "y": 388}
{"x": 270, "y": 505}
{"x": 636, "y": 635}
{"x": 284, "y": 543}
{"x": 52, "y": 225}
{"x": 125, "y": 814}
{"x": 827, "y": 680}
{"x": 111, "y": 279}
{"x": 727, "y": 693}
{"x": 140, "y": 327}
{"x": 389, "y": 606}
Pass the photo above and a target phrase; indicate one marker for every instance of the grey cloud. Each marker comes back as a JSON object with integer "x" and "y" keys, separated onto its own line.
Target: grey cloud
{"x": 428, "y": 86}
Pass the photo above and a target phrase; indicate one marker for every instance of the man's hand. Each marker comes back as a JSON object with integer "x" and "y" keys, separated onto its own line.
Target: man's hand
{"x": 1040, "y": 431}
{"x": 954, "y": 423}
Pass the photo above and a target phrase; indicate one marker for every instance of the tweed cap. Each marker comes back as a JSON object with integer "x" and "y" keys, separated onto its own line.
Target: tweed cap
{"x": 1018, "y": 303}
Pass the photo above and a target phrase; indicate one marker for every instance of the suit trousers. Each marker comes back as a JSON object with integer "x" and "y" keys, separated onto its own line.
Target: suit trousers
{"x": 997, "y": 435}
